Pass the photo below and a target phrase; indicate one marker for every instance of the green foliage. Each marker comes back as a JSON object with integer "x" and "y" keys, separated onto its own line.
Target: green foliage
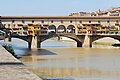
{"x": 9, "y": 49}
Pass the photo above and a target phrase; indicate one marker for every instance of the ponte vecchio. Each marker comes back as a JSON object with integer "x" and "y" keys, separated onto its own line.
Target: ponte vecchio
{"x": 83, "y": 29}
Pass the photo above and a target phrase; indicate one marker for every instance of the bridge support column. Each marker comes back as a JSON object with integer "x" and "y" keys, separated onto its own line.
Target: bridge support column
{"x": 38, "y": 42}
{"x": 87, "y": 41}
{"x": 35, "y": 42}
{"x": 29, "y": 45}
{"x": 79, "y": 44}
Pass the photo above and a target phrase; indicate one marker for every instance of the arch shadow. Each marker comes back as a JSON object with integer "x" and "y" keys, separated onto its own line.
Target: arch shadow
{"x": 52, "y": 29}
{"x": 61, "y": 29}
{"x": 71, "y": 29}
{"x": 97, "y": 37}
{"x": 73, "y": 37}
{"x": 27, "y": 38}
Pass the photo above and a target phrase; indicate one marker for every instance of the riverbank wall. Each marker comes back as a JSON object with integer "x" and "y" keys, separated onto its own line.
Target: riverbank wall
{"x": 13, "y": 69}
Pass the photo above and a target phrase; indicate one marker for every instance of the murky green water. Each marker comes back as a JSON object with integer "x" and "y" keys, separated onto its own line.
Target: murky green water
{"x": 71, "y": 63}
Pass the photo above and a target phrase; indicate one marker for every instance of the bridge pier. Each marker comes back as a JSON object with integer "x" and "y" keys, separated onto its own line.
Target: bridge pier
{"x": 79, "y": 44}
{"x": 38, "y": 42}
{"x": 29, "y": 45}
{"x": 35, "y": 43}
{"x": 87, "y": 41}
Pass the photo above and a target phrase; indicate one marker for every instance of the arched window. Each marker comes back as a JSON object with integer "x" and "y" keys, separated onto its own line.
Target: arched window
{"x": 52, "y": 29}
{"x": 61, "y": 29}
{"x": 71, "y": 29}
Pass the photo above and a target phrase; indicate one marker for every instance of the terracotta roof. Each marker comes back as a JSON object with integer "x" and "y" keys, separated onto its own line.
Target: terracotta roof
{"x": 59, "y": 17}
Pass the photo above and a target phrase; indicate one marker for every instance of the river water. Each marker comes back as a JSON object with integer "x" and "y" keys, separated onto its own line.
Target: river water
{"x": 61, "y": 60}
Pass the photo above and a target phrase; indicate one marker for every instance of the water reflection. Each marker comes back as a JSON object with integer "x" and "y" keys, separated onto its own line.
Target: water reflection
{"x": 76, "y": 63}
{"x": 70, "y": 63}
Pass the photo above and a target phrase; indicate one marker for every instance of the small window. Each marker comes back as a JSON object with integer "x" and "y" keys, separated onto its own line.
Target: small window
{"x": 33, "y": 21}
{"x": 42, "y": 21}
{"x": 89, "y": 21}
{"x": 80, "y": 21}
{"x": 108, "y": 21}
{"x": 13, "y": 21}
{"x": 23, "y": 21}
{"x": 8, "y": 25}
{"x": 117, "y": 21}
{"x": 71, "y": 21}
{"x": 52, "y": 21}
{"x": 99, "y": 21}
{"x": 61, "y": 21}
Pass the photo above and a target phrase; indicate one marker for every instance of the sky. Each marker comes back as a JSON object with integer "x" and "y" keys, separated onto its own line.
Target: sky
{"x": 53, "y": 7}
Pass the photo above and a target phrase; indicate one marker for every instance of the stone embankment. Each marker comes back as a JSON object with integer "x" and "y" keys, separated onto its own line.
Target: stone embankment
{"x": 13, "y": 69}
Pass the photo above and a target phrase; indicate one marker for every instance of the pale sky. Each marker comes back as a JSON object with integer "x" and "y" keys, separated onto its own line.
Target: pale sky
{"x": 53, "y": 7}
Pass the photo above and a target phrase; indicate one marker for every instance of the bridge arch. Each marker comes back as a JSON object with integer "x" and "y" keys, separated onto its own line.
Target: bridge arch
{"x": 19, "y": 40}
{"x": 107, "y": 39}
{"x": 61, "y": 29}
{"x": 28, "y": 39}
{"x": 25, "y": 38}
{"x": 52, "y": 29}
{"x": 71, "y": 29}
{"x": 116, "y": 37}
{"x": 73, "y": 37}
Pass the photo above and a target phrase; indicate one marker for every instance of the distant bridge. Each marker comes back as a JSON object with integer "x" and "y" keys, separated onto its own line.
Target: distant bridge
{"x": 84, "y": 30}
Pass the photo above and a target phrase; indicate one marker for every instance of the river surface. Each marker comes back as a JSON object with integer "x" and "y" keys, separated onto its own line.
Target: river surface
{"x": 61, "y": 60}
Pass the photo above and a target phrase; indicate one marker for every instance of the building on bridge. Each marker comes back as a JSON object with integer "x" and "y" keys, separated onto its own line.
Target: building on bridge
{"x": 74, "y": 27}
{"x": 109, "y": 12}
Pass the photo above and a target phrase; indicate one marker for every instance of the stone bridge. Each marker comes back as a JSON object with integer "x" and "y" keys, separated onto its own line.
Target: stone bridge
{"x": 35, "y": 41}
{"x": 84, "y": 30}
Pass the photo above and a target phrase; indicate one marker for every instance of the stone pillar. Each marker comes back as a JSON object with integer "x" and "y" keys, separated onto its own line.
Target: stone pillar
{"x": 90, "y": 44}
{"x": 29, "y": 45}
{"x": 35, "y": 42}
{"x": 38, "y": 42}
{"x": 87, "y": 41}
{"x": 79, "y": 44}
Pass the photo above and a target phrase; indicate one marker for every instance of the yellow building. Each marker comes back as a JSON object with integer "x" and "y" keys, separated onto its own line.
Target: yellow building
{"x": 36, "y": 29}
